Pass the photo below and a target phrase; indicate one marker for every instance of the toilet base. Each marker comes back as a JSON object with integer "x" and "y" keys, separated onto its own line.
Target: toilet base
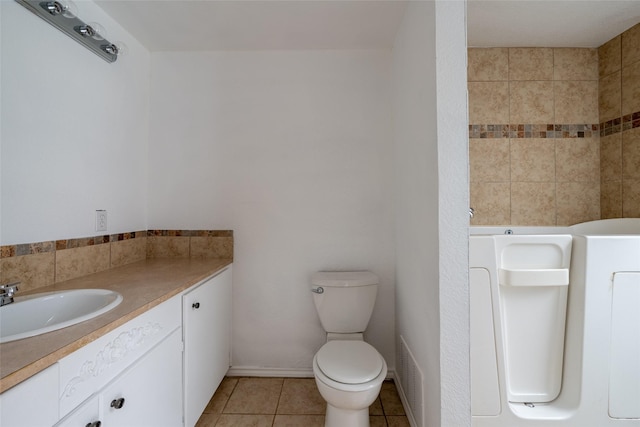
{"x": 338, "y": 417}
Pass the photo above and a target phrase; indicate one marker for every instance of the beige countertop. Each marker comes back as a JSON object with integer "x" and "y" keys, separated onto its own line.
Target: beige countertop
{"x": 143, "y": 285}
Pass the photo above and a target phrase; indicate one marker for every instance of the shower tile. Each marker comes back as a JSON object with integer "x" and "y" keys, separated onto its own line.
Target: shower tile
{"x": 489, "y": 160}
{"x": 631, "y": 88}
{"x": 533, "y": 159}
{"x": 631, "y": 154}
{"x": 610, "y": 57}
{"x": 32, "y": 271}
{"x": 255, "y": 396}
{"x": 611, "y": 199}
{"x": 533, "y": 203}
{"x": 491, "y": 202}
{"x": 631, "y": 45}
{"x": 578, "y": 160}
{"x": 488, "y": 102}
{"x": 631, "y": 198}
{"x": 490, "y": 64}
{"x": 531, "y": 102}
{"x": 576, "y": 102}
{"x": 611, "y": 157}
{"x": 610, "y": 97}
{"x": 301, "y": 396}
{"x": 77, "y": 262}
{"x": 530, "y": 63}
{"x": 577, "y": 202}
{"x": 575, "y": 64}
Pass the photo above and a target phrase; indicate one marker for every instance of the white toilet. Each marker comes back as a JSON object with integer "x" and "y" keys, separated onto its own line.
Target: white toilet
{"x": 348, "y": 371}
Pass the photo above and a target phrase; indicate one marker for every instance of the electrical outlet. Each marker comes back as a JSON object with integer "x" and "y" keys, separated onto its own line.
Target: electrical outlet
{"x": 101, "y": 220}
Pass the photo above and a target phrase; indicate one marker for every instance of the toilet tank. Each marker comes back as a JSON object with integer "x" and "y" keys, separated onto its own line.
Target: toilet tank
{"x": 344, "y": 300}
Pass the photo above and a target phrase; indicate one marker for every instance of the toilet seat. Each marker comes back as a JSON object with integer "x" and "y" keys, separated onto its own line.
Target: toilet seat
{"x": 349, "y": 362}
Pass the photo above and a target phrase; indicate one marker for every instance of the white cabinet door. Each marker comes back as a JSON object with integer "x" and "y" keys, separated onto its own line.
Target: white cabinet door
{"x": 207, "y": 341}
{"x": 149, "y": 393}
{"x": 33, "y": 402}
{"x": 86, "y": 415}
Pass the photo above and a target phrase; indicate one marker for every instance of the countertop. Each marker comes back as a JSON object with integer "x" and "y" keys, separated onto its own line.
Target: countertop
{"x": 143, "y": 285}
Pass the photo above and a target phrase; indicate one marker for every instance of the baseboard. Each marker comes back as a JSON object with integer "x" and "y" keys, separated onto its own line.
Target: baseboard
{"x": 405, "y": 404}
{"x": 256, "y": 371}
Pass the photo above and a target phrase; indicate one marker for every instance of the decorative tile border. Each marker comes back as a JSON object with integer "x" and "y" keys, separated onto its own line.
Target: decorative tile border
{"x": 9, "y": 251}
{"x": 191, "y": 233}
{"x": 533, "y": 131}
{"x": 619, "y": 124}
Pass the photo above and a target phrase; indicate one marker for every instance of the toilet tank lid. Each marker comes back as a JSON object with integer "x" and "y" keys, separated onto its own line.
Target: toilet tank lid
{"x": 344, "y": 278}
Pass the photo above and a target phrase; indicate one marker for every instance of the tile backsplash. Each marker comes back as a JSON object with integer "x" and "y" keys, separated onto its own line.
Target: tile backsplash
{"x": 44, "y": 263}
{"x": 554, "y": 134}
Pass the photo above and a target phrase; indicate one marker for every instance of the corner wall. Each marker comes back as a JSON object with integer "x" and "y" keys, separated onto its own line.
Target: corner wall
{"x": 431, "y": 197}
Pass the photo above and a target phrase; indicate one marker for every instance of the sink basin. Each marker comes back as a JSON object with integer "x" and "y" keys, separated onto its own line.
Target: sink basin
{"x": 37, "y": 314}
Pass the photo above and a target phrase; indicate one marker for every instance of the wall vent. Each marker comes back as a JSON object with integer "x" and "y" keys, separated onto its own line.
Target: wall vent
{"x": 410, "y": 381}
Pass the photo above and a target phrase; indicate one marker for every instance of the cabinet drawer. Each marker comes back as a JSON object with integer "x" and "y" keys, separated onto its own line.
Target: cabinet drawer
{"x": 94, "y": 365}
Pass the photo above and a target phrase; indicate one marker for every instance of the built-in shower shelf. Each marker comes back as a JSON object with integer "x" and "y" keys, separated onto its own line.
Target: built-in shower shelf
{"x": 534, "y": 277}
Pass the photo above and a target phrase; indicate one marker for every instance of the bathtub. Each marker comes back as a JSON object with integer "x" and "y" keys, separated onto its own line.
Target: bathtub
{"x": 550, "y": 351}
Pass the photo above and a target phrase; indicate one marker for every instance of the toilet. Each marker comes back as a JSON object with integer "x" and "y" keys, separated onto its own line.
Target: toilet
{"x": 348, "y": 371}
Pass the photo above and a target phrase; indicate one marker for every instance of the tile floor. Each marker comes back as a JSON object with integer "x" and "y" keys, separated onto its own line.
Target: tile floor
{"x": 287, "y": 402}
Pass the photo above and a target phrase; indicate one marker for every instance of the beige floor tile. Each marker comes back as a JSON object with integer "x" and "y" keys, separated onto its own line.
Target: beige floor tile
{"x": 299, "y": 421}
{"x": 398, "y": 421}
{"x": 255, "y": 396}
{"x": 221, "y": 396}
{"x": 208, "y": 420}
{"x": 230, "y": 420}
{"x": 376, "y": 407}
{"x": 377, "y": 421}
{"x": 301, "y": 396}
{"x": 391, "y": 403}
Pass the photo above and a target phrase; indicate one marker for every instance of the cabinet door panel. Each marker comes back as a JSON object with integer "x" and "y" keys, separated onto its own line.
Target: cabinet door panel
{"x": 85, "y": 414}
{"x": 207, "y": 340}
{"x": 33, "y": 402}
{"x": 151, "y": 389}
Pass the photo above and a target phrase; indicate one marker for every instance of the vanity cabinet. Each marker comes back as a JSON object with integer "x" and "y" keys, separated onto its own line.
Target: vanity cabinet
{"x": 160, "y": 368}
{"x": 148, "y": 393}
{"x": 33, "y": 402}
{"x": 207, "y": 341}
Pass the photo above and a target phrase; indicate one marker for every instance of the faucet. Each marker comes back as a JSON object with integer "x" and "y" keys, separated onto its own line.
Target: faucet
{"x": 6, "y": 293}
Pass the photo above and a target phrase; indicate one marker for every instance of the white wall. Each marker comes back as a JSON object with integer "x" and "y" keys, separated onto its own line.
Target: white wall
{"x": 431, "y": 205}
{"x": 292, "y": 150}
{"x": 73, "y": 133}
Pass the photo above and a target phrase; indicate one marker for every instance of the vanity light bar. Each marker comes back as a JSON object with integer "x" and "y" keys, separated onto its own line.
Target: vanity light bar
{"x": 60, "y": 15}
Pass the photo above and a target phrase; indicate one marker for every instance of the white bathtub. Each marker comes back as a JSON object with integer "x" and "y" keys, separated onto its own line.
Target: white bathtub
{"x": 598, "y": 383}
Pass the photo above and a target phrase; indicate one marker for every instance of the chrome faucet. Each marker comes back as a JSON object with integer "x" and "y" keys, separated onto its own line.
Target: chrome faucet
{"x": 6, "y": 293}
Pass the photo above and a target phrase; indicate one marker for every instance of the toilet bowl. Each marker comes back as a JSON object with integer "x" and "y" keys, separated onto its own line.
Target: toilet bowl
{"x": 349, "y": 375}
{"x": 348, "y": 371}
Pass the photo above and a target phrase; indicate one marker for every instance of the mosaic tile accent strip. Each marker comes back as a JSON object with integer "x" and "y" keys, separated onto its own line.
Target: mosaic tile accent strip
{"x": 190, "y": 233}
{"x": 619, "y": 124}
{"x": 533, "y": 131}
{"x": 9, "y": 251}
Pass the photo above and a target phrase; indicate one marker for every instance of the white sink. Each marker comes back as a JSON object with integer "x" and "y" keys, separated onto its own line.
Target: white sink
{"x": 39, "y": 313}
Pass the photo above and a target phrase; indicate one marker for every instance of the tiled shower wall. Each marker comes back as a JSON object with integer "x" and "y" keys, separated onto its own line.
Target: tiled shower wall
{"x": 619, "y": 96}
{"x": 534, "y": 140}
{"x": 40, "y": 264}
{"x": 555, "y": 133}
